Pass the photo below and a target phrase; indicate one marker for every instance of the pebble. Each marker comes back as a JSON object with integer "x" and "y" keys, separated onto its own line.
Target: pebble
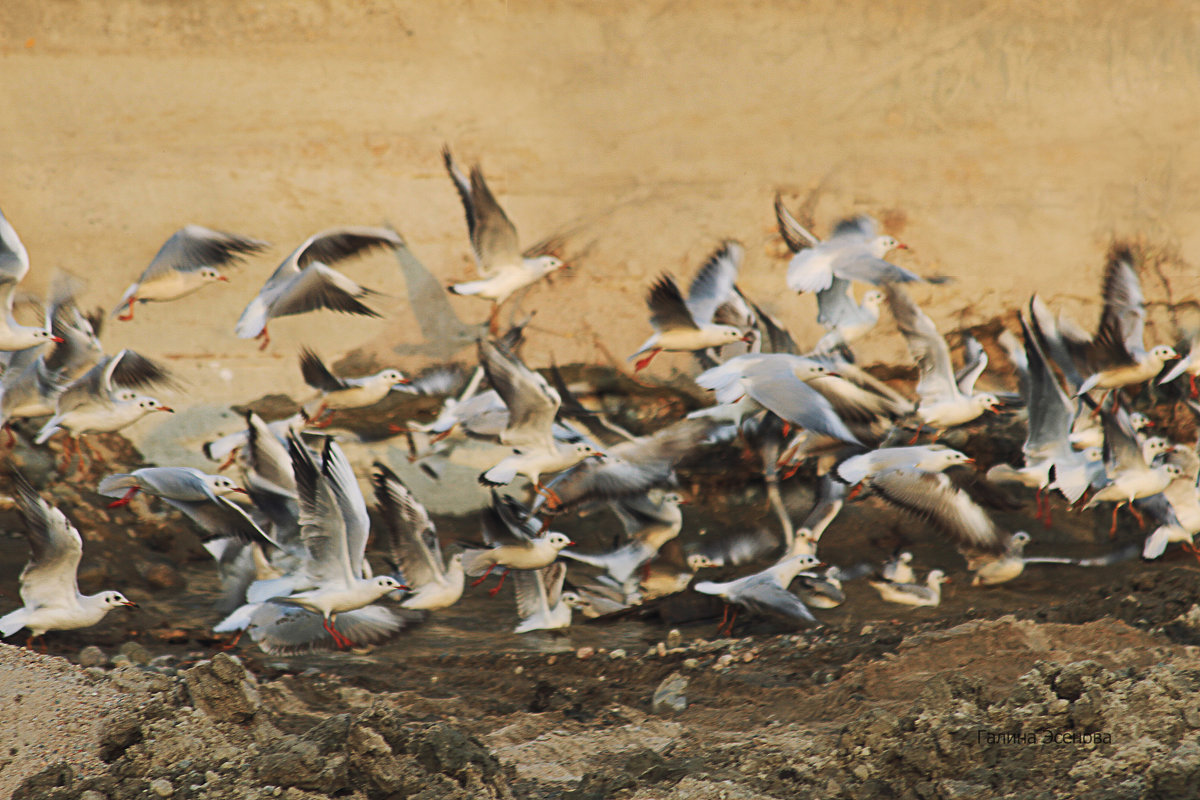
{"x": 92, "y": 656}
{"x": 92, "y": 794}
{"x": 691, "y": 663}
{"x": 162, "y": 787}
{"x": 617, "y": 655}
{"x": 674, "y": 638}
{"x": 866, "y": 630}
{"x": 136, "y": 653}
{"x": 669, "y": 697}
{"x": 861, "y": 772}
{"x": 518, "y": 670}
{"x": 723, "y": 661}
{"x": 585, "y": 653}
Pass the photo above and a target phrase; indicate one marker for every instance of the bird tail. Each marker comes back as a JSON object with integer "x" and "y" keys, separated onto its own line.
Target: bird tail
{"x": 253, "y": 319}
{"x": 124, "y": 304}
{"x": 116, "y": 485}
{"x": 470, "y": 287}
{"x": 48, "y": 430}
{"x": 476, "y": 562}
{"x": 12, "y": 622}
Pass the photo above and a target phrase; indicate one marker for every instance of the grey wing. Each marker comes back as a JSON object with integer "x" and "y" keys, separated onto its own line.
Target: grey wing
{"x": 338, "y": 244}
{"x": 831, "y": 498}
{"x": 14, "y": 259}
{"x": 714, "y": 283}
{"x": 322, "y": 526}
{"x": 49, "y": 577}
{"x": 79, "y": 345}
{"x": 631, "y": 468}
{"x": 1121, "y": 450}
{"x": 925, "y": 344}
{"x": 320, "y": 287}
{"x": 494, "y": 237}
{"x": 532, "y": 403}
{"x": 132, "y": 370}
{"x": 268, "y": 464}
{"x": 975, "y": 361}
{"x": 1120, "y": 338}
{"x": 506, "y": 522}
{"x": 931, "y": 496}
{"x": 462, "y": 185}
{"x": 794, "y": 234}
{"x": 1051, "y": 412}
{"x": 861, "y": 266}
{"x": 667, "y": 307}
{"x": 794, "y": 401}
{"x": 835, "y": 307}
{"x": 219, "y": 518}
{"x": 443, "y": 380}
{"x": 283, "y": 629}
{"x": 177, "y": 483}
{"x": 1052, "y": 342}
{"x": 414, "y": 542}
{"x": 336, "y": 469}
{"x": 857, "y": 227}
{"x": 538, "y": 590}
{"x": 765, "y": 596}
{"x": 777, "y": 339}
{"x": 193, "y": 247}
{"x": 316, "y": 374}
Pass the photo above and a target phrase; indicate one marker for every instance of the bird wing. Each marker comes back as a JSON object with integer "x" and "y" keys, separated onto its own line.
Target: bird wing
{"x": 193, "y": 247}
{"x": 219, "y": 518}
{"x": 1051, "y": 412}
{"x": 532, "y": 403}
{"x": 132, "y": 370}
{"x": 317, "y": 375}
{"x": 14, "y": 259}
{"x": 413, "y": 537}
{"x": 794, "y": 401}
{"x": 764, "y": 595}
{"x": 835, "y": 307}
{"x": 506, "y": 522}
{"x": 933, "y": 497}
{"x": 323, "y": 529}
{"x": 794, "y": 234}
{"x": 975, "y": 361}
{"x": 926, "y": 345}
{"x": 1121, "y": 449}
{"x": 48, "y": 580}
{"x": 713, "y": 285}
{"x": 318, "y": 287}
{"x": 493, "y": 236}
{"x": 1120, "y": 337}
{"x": 668, "y": 310}
{"x": 283, "y": 629}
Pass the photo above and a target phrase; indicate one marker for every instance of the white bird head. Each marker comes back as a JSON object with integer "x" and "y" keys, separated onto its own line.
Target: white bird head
{"x": 987, "y": 401}
{"x": 583, "y": 449}
{"x": 699, "y": 561}
{"x": 558, "y": 540}
{"x": 882, "y": 245}
{"x": 1020, "y": 539}
{"x": 386, "y": 583}
{"x": 573, "y": 600}
{"x": 46, "y": 336}
{"x": 211, "y": 274}
{"x": 149, "y": 404}
{"x": 873, "y": 300}
{"x": 936, "y": 577}
{"x": 114, "y": 599}
{"x": 1164, "y": 353}
{"x": 220, "y": 485}
{"x": 393, "y": 376}
{"x": 544, "y": 265}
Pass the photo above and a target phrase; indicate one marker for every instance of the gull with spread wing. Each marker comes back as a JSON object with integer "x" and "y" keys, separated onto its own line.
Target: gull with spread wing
{"x": 853, "y": 252}
{"x": 677, "y": 329}
{"x": 305, "y": 281}
{"x": 503, "y": 268}
{"x": 14, "y": 266}
{"x": 49, "y": 589}
{"x": 434, "y": 583}
{"x": 941, "y": 402}
{"x": 513, "y": 542}
{"x": 766, "y": 592}
{"x": 344, "y": 393}
{"x": 186, "y": 262}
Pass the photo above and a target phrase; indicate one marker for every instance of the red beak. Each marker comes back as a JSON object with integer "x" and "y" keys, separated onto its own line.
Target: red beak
{"x": 57, "y": 339}
{"x": 223, "y": 278}
{"x": 168, "y": 409}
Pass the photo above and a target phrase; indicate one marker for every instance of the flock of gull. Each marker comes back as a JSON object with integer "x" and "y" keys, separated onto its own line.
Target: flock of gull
{"x": 290, "y": 538}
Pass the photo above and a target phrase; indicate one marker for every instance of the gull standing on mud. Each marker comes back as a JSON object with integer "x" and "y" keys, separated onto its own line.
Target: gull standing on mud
{"x": 304, "y": 281}
{"x": 49, "y": 588}
{"x": 433, "y": 583}
{"x": 503, "y": 268}
{"x": 186, "y": 262}
{"x": 914, "y": 594}
{"x": 14, "y": 266}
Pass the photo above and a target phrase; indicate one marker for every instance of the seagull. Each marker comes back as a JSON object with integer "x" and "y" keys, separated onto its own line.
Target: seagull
{"x": 853, "y": 252}
{"x": 1189, "y": 363}
{"x": 541, "y": 602}
{"x": 304, "y": 281}
{"x": 714, "y": 297}
{"x": 14, "y": 265}
{"x": 942, "y": 403}
{"x": 926, "y": 458}
{"x": 334, "y": 527}
{"x": 766, "y": 592}
{"x": 914, "y": 594}
{"x": 676, "y": 328}
{"x": 513, "y": 542}
{"x": 434, "y": 583}
{"x": 186, "y": 262}
{"x": 35, "y": 377}
{"x": 1117, "y": 354}
{"x": 102, "y": 400}
{"x": 990, "y": 570}
{"x": 899, "y": 569}
{"x": 49, "y": 589}
{"x": 1129, "y": 476}
{"x": 532, "y": 405}
{"x": 503, "y": 268}
{"x": 648, "y": 525}
{"x": 629, "y": 468}
{"x": 199, "y": 496}
{"x": 344, "y": 393}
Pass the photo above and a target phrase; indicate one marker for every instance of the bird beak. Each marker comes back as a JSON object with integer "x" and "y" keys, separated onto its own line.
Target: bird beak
{"x": 223, "y": 278}
{"x": 404, "y": 587}
{"x": 901, "y": 246}
{"x": 572, "y": 544}
{"x": 240, "y": 490}
{"x": 167, "y": 409}
{"x": 406, "y": 380}
{"x": 60, "y": 340}
{"x": 130, "y": 604}
{"x": 749, "y": 337}
{"x": 968, "y": 461}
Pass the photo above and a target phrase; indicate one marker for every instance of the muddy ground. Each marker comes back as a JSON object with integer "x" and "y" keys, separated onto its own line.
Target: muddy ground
{"x": 1095, "y": 667}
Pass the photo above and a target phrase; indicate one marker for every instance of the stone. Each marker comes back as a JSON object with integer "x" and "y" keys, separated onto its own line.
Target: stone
{"x": 162, "y": 787}
{"x": 92, "y": 656}
{"x": 222, "y": 689}
{"x": 668, "y": 697}
{"x": 136, "y": 652}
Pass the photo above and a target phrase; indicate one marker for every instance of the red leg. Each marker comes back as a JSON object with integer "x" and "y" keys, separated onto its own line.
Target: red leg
{"x": 1191, "y": 548}
{"x": 855, "y": 492}
{"x": 1137, "y": 515}
{"x": 124, "y": 501}
{"x": 128, "y": 315}
{"x": 1112, "y": 531}
{"x": 232, "y": 643}
{"x": 12, "y": 437}
{"x": 917, "y": 435}
{"x": 496, "y": 590}
{"x": 68, "y": 443}
{"x": 1192, "y": 390}
{"x": 266, "y": 338}
{"x": 642, "y": 363}
{"x": 483, "y": 577}
{"x": 724, "y": 617}
{"x": 227, "y": 463}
